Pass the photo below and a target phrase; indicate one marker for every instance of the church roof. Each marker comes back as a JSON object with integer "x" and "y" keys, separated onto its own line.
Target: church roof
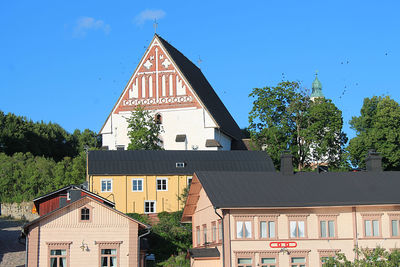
{"x": 204, "y": 91}
{"x": 316, "y": 88}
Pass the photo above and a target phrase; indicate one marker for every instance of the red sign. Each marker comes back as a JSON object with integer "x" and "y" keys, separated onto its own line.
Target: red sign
{"x": 283, "y": 244}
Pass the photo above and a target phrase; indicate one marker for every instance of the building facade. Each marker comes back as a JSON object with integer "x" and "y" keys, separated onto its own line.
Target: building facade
{"x": 152, "y": 181}
{"x": 191, "y": 114}
{"x": 84, "y": 233}
{"x": 286, "y": 219}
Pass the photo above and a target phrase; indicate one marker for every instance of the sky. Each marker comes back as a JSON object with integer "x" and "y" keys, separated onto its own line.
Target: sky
{"x": 68, "y": 61}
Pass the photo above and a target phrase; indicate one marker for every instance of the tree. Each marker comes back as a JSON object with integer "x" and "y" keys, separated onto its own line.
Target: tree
{"x": 284, "y": 118}
{"x": 143, "y": 131}
{"x": 377, "y": 127}
{"x": 367, "y": 258}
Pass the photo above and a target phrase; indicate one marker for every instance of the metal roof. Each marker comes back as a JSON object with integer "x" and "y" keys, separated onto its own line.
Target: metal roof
{"x": 204, "y": 252}
{"x": 147, "y": 162}
{"x": 304, "y": 189}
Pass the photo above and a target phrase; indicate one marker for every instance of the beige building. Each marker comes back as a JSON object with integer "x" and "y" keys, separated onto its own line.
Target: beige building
{"x": 291, "y": 219}
{"x": 84, "y": 233}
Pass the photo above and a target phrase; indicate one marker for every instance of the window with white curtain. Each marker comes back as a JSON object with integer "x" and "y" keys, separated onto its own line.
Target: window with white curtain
{"x": 371, "y": 228}
{"x": 243, "y": 229}
{"x": 297, "y": 229}
{"x": 267, "y": 229}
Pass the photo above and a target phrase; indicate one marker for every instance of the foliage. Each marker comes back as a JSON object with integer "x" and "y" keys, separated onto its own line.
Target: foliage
{"x": 25, "y": 176}
{"x": 367, "y": 258}
{"x": 50, "y": 140}
{"x": 284, "y": 118}
{"x": 179, "y": 260}
{"x": 140, "y": 217}
{"x": 143, "y": 131}
{"x": 378, "y": 127}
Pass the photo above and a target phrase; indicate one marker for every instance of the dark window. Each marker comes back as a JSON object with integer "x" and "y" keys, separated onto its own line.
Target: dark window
{"x": 85, "y": 214}
{"x": 158, "y": 119}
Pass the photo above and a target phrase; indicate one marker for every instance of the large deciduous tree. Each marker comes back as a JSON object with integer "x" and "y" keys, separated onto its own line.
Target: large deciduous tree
{"x": 143, "y": 131}
{"x": 378, "y": 127}
{"x": 284, "y": 118}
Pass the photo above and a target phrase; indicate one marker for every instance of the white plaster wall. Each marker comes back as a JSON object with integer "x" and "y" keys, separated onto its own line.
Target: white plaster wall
{"x": 223, "y": 139}
{"x": 196, "y": 124}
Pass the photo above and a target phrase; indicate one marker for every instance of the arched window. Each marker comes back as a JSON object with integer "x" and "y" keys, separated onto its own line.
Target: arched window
{"x": 158, "y": 118}
{"x": 85, "y": 214}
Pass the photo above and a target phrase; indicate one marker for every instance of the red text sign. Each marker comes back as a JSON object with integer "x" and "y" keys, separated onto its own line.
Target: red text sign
{"x": 283, "y": 244}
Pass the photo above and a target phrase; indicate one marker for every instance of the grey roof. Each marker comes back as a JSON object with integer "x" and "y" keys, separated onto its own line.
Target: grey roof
{"x": 212, "y": 143}
{"x": 305, "y": 189}
{"x": 204, "y": 253}
{"x": 180, "y": 138}
{"x": 205, "y": 92}
{"x": 140, "y": 162}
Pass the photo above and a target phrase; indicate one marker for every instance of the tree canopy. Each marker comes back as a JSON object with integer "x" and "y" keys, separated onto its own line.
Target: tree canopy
{"x": 377, "y": 127}
{"x": 143, "y": 131}
{"x": 285, "y": 118}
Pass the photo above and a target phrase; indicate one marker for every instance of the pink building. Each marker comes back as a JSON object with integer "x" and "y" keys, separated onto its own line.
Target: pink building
{"x": 291, "y": 219}
{"x": 84, "y": 233}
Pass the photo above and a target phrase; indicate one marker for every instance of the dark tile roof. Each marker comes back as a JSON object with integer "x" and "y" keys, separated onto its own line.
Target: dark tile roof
{"x": 115, "y": 162}
{"x": 212, "y": 143}
{"x": 305, "y": 189}
{"x": 204, "y": 253}
{"x": 205, "y": 92}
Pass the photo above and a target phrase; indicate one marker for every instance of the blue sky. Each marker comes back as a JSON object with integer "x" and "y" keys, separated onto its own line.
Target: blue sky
{"x": 68, "y": 61}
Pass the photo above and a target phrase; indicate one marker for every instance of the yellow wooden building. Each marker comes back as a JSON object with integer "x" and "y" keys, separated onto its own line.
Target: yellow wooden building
{"x": 151, "y": 181}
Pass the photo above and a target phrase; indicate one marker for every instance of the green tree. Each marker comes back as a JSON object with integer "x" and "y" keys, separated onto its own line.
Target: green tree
{"x": 378, "y": 127}
{"x": 284, "y": 118}
{"x": 143, "y": 131}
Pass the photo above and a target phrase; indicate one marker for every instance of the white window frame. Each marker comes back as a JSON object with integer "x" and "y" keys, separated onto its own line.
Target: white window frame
{"x": 137, "y": 179}
{"x": 180, "y": 164}
{"x": 155, "y": 206}
{"x": 101, "y": 185}
{"x": 189, "y": 178}
{"x": 166, "y": 184}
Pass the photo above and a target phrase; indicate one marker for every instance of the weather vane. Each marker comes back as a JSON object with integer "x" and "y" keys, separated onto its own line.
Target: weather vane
{"x": 155, "y": 25}
{"x": 316, "y": 73}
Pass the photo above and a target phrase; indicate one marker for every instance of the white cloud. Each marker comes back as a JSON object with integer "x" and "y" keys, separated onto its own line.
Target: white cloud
{"x": 149, "y": 14}
{"x": 84, "y": 24}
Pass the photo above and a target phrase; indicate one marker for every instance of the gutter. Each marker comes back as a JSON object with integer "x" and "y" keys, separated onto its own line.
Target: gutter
{"x": 142, "y": 235}
{"x": 223, "y": 238}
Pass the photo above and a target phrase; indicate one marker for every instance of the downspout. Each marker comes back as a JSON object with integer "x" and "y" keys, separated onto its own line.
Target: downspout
{"x": 223, "y": 238}
{"x": 142, "y": 235}
{"x": 26, "y": 247}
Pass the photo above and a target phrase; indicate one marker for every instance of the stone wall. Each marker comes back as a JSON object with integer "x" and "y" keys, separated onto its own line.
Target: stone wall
{"x": 18, "y": 210}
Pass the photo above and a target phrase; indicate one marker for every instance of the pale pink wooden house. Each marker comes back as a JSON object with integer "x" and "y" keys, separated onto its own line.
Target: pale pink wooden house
{"x": 84, "y": 233}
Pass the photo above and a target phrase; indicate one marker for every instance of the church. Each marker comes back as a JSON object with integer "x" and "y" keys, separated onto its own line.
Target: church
{"x": 191, "y": 114}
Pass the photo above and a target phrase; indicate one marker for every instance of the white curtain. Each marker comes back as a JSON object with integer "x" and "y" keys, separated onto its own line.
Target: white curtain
{"x": 248, "y": 229}
{"x": 375, "y": 225}
{"x": 239, "y": 229}
{"x": 263, "y": 229}
{"x": 293, "y": 229}
{"x": 301, "y": 228}
{"x": 271, "y": 227}
{"x": 331, "y": 228}
{"x": 368, "y": 228}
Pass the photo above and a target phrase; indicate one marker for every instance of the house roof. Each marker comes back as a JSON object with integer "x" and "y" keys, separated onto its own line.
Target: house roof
{"x": 76, "y": 188}
{"x": 204, "y": 91}
{"x": 204, "y": 252}
{"x": 27, "y": 225}
{"x": 146, "y": 162}
{"x": 304, "y": 189}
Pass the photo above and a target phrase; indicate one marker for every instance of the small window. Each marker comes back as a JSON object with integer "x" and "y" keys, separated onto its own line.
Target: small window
{"x": 108, "y": 257}
{"x": 162, "y": 184}
{"x": 149, "y": 206}
{"x": 327, "y": 229}
{"x": 189, "y": 181}
{"x": 85, "y": 214}
{"x": 158, "y": 119}
{"x": 297, "y": 229}
{"x": 268, "y": 262}
{"x": 371, "y": 228}
{"x": 395, "y": 228}
{"x": 267, "y": 229}
{"x": 58, "y": 257}
{"x": 243, "y": 229}
{"x": 137, "y": 185}
{"x": 180, "y": 164}
{"x": 106, "y": 185}
{"x": 214, "y": 231}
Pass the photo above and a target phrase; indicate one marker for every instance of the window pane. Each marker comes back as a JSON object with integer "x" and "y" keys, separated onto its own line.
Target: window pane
{"x": 293, "y": 229}
{"x": 103, "y": 186}
{"x": 331, "y": 228}
{"x": 104, "y": 262}
{"x": 53, "y": 262}
{"x": 268, "y": 260}
{"x": 239, "y": 229}
{"x": 139, "y": 185}
{"x": 375, "y": 226}
{"x": 214, "y": 232}
{"x": 198, "y": 236}
{"x": 368, "y": 228}
{"x": 134, "y": 185}
{"x": 271, "y": 228}
{"x": 220, "y": 231}
{"x": 248, "y": 229}
{"x": 395, "y": 228}
{"x": 298, "y": 260}
{"x": 113, "y": 261}
{"x": 63, "y": 262}
{"x": 263, "y": 229}
{"x": 323, "y": 228}
{"x": 205, "y": 234}
{"x": 301, "y": 228}
{"x": 244, "y": 260}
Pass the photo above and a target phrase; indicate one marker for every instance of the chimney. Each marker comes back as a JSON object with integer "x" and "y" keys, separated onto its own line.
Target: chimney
{"x": 373, "y": 161}
{"x": 286, "y": 163}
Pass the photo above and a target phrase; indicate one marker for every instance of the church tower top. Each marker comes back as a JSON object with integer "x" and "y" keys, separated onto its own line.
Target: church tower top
{"x": 316, "y": 88}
